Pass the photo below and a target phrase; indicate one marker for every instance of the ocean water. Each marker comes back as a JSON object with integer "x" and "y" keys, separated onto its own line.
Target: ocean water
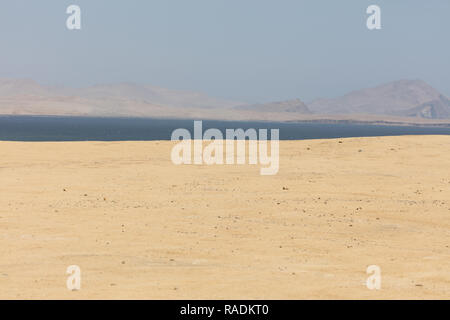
{"x": 31, "y": 128}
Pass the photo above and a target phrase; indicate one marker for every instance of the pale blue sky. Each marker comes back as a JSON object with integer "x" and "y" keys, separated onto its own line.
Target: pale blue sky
{"x": 249, "y": 50}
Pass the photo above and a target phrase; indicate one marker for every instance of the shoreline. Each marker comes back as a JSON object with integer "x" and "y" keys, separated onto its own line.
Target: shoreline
{"x": 441, "y": 123}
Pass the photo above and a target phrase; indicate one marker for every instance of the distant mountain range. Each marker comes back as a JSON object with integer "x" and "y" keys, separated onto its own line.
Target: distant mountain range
{"x": 408, "y": 98}
{"x": 19, "y": 96}
{"x": 408, "y": 101}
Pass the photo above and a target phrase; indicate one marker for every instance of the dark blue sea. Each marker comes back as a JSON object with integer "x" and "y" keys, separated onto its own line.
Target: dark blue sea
{"x": 39, "y": 128}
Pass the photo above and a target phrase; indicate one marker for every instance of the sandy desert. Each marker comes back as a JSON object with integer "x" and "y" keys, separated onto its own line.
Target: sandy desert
{"x": 140, "y": 227}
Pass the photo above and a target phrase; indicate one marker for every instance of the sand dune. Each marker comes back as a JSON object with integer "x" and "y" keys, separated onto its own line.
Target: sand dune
{"x": 140, "y": 227}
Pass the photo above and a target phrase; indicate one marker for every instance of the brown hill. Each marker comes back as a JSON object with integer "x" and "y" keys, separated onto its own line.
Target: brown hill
{"x": 27, "y": 97}
{"x": 436, "y": 109}
{"x": 395, "y": 98}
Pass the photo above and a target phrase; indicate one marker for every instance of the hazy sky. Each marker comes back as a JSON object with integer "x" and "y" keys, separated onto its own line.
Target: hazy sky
{"x": 249, "y": 50}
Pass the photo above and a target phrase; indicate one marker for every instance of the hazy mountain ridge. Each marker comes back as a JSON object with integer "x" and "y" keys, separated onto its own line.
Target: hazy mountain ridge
{"x": 399, "y": 101}
{"x": 21, "y": 92}
{"x": 154, "y": 95}
{"x": 296, "y": 106}
{"x": 24, "y": 87}
{"x": 394, "y": 98}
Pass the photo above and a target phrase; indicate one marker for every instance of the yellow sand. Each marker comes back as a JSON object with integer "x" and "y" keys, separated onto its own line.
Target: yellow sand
{"x": 140, "y": 227}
